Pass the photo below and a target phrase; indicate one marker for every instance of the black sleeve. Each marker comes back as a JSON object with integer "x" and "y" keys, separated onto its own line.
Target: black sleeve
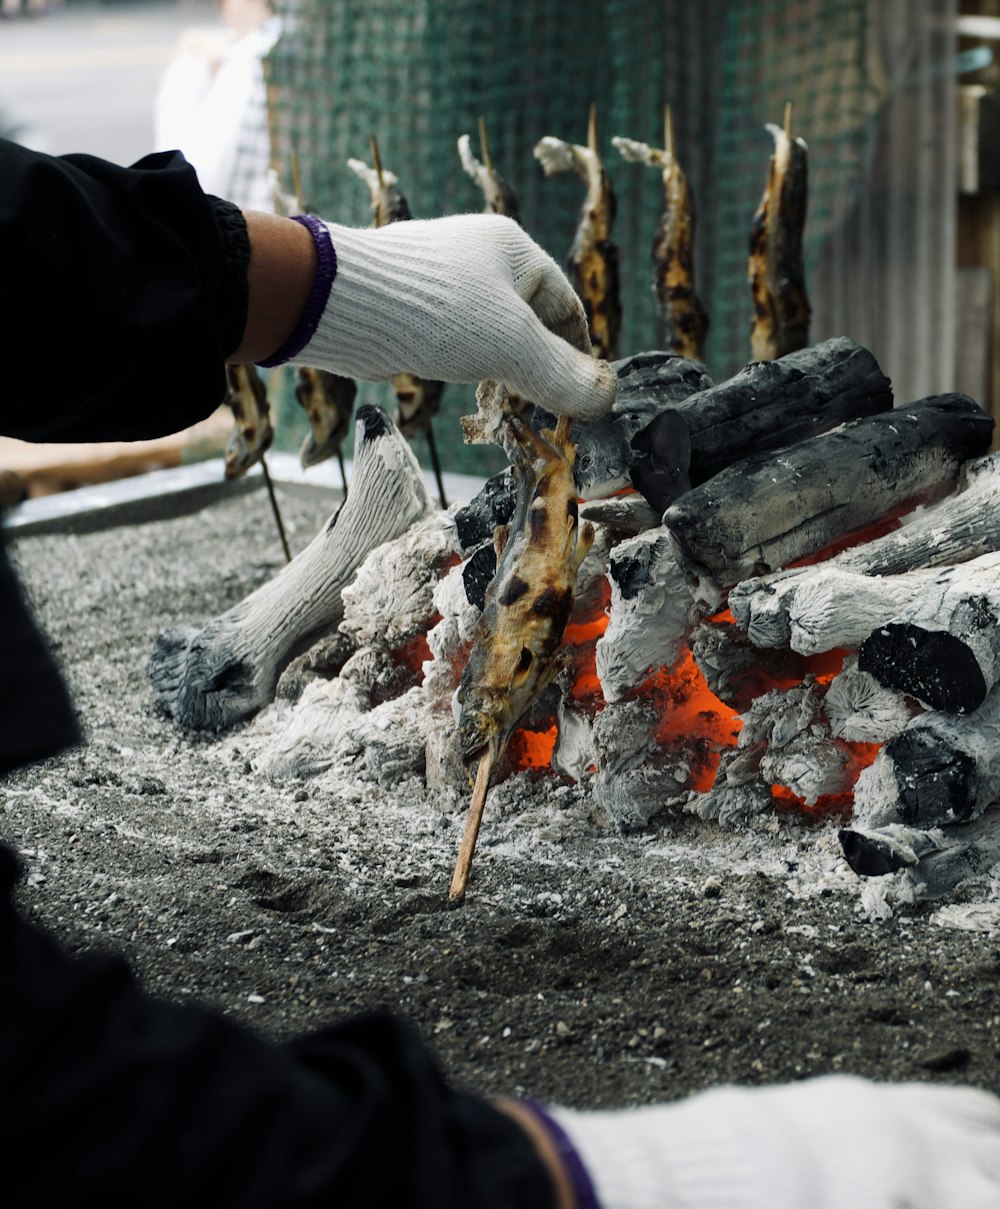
{"x": 122, "y": 292}
{"x": 111, "y": 1098}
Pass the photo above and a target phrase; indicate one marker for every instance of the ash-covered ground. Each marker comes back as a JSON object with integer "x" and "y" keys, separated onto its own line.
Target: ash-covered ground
{"x": 585, "y": 967}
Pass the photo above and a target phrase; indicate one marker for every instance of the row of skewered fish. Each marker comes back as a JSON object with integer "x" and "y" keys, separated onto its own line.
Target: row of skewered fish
{"x": 781, "y": 310}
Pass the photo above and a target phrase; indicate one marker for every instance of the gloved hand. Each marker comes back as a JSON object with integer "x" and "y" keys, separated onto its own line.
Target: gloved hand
{"x": 833, "y": 1143}
{"x": 459, "y": 299}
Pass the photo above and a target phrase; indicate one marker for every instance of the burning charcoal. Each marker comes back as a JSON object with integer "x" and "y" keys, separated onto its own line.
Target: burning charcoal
{"x": 478, "y": 573}
{"x": 822, "y": 608}
{"x": 938, "y": 770}
{"x": 574, "y": 751}
{"x": 622, "y": 515}
{"x": 652, "y": 610}
{"x": 333, "y": 724}
{"x": 738, "y": 794}
{"x": 932, "y": 863}
{"x": 735, "y": 670}
{"x": 944, "y": 648}
{"x": 214, "y": 676}
{"x": 637, "y": 777}
{"x": 649, "y": 385}
{"x": 767, "y": 511}
{"x": 493, "y": 506}
{"x": 861, "y": 710}
{"x": 390, "y": 602}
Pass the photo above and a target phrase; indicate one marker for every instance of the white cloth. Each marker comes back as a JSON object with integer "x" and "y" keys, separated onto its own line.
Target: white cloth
{"x": 459, "y": 299}
{"x": 833, "y": 1143}
{"x": 214, "y": 109}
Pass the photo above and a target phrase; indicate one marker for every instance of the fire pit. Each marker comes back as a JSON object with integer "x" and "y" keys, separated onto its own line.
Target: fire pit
{"x": 589, "y": 964}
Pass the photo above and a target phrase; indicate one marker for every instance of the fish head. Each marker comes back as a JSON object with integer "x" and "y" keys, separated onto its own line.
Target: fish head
{"x": 602, "y": 459}
{"x": 494, "y": 701}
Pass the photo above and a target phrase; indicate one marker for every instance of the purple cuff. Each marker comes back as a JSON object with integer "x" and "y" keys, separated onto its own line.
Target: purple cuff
{"x": 583, "y": 1188}
{"x": 326, "y": 271}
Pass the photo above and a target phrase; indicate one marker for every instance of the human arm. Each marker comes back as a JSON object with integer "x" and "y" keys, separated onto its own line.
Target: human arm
{"x": 135, "y": 1100}
{"x": 139, "y": 287}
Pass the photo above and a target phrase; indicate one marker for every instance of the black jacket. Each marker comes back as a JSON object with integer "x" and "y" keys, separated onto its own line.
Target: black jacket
{"x": 133, "y": 283}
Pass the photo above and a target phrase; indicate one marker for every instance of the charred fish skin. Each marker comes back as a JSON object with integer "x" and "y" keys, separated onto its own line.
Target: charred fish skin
{"x": 592, "y": 265}
{"x": 328, "y": 401}
{"x": 528, "y": 604}
{"x": 781, "y": 310}
{"x": 252, "y": 433}
{"x": 673, "y": 247}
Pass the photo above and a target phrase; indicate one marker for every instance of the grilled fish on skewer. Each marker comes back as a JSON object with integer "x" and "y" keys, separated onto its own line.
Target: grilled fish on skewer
{"x": 673, "y": 246}
{"x": 593, "y": 259}
{"x": 781, "y": 308}
{"x": 252, "y": 434}
{"x": 500, "y": 197}
{"x": 417, "y": 399}
{"x": 328, "y": 401}
{"x": 528, "y": 604}
{"x": 388, "y": 204}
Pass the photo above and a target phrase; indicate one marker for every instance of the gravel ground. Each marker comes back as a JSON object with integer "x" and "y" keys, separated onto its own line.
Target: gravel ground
{"x": 585, "y": 967}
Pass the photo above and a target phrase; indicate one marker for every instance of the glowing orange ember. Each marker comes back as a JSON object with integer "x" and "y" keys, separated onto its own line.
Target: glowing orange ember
{"x": 416, "y": 652}
{"x": 860, "y": 755}
{"x": 692, "y": 715}
{"x": 532, "y": 748}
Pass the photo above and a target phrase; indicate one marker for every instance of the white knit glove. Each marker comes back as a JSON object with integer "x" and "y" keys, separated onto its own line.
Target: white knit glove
{"x": 832, "y": 1143}
{"x": 459, "y": 299}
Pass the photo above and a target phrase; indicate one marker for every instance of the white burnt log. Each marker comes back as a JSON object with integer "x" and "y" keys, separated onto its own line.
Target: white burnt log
{"x": 931, "y": 863}
{"x": 769, "y": 510}
{"x": 961, "y": 526}
{"x": 957, "y": 528}
{"x": 860, "y": 710}
{"x": 822, "y": 608}
{"x": 211, "y": 677}
{"x": 637, "y": 777}
{"x": 939, "y": 769}
{"x": 651, "y": 612}
{"x": 622, "y": 515}
{"x": 333, "y": 726}
{"x": 391, "y": 599}
{"x": 944, "y": 648}
{"x": 738, "y": 795}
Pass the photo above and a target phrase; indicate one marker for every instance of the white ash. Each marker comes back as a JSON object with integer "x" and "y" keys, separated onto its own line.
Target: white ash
{"x": 861, "y": 710}
{"x": 652, "y": 609}
{"x": 390, "y": 600}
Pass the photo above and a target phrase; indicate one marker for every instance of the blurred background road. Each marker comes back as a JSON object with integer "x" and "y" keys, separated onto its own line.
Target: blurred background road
{"x": 83, "y": 76}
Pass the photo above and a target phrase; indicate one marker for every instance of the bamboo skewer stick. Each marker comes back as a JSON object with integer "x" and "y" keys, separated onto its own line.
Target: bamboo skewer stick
{"x": 275, "y": 509}
{"x": 436, "y": 463}
{"x": 463, "y": 865}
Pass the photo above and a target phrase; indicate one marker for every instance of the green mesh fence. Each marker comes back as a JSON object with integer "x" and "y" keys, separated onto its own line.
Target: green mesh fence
{"x": 418, "y": 75}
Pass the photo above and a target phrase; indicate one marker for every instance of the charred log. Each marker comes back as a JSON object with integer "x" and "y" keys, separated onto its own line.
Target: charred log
{"x": 736, "y": 671}
{"x": 211, "y": 677}
{"x": 945, "y": 648}
{"x": 649, "y": 384}
{"x": 822, "y": 608}
{"x": 652, "y": 610}
{"x": 493, "y": 506}
{"x": 767, "y": 511}
{"x": 938, "y": 770}
{"x": 934, "y": 862}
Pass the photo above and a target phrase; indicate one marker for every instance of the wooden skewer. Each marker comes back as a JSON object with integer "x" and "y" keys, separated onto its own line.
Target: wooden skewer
{"x": 592, "y": 129}
{"x": 275, "y": 509}
{"x": 296, "y": 179}
{"x": 436, "y": 463}
{"x": 484, "y": 144}
{"x": 377, "y": 161}
{"x": 668, "y": 131}
{"x": 788, "y": 120}
{"x": 463, "y": 865}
